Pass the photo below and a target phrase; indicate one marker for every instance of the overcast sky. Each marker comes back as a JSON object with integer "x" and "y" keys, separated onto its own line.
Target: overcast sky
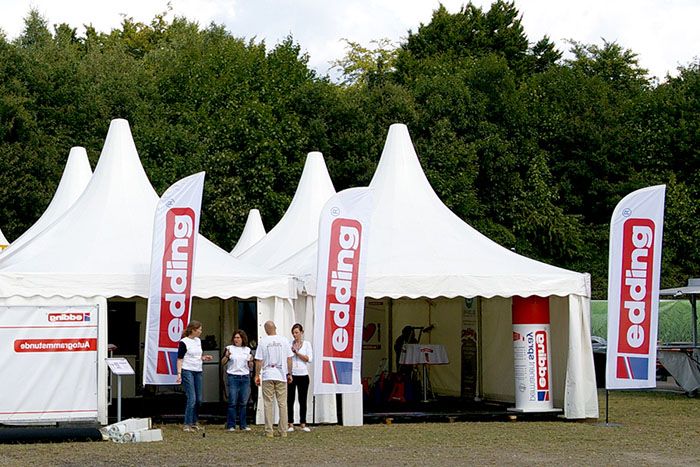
{"x": 664, "y": 33}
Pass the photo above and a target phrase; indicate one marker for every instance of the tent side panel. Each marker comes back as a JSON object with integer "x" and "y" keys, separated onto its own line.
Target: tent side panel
{"x": 559, "y": 346}
{"x": 498, "y": 376}
{"x": 92, "y": 362}
{"x": 581, "y": 399}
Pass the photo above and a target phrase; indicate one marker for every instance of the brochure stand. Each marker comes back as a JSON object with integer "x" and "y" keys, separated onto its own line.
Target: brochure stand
{"x": 119, "y": 367}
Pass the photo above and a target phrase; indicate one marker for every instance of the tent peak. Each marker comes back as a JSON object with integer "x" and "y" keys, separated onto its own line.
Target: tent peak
{"x": 76, "y": 175}
{"x": 299, "y": 224}
{"x": 76, "y": 152}
{"x": 253, "y": 231}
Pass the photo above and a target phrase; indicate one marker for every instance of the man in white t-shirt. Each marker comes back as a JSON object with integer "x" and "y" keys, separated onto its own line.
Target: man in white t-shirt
{"x": 273, "y": 368}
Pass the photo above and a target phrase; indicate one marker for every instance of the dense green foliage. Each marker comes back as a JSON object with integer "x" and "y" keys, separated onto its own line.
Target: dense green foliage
{"x": 532, "y": 150}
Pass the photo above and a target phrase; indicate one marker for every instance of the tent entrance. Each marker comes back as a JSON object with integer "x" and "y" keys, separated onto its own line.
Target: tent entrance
{"x": 450, "y": 327}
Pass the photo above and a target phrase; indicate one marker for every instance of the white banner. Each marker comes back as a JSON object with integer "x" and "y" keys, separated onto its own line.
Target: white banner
{"x": 636, "y": 233}
{"x": 175, "y": 230}
{"x": 340, "y": 298}
{"x": 48, "y": 356}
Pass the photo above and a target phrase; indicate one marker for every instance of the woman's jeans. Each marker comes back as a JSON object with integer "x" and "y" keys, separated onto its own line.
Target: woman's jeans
{"x": 192, "y": 382}
{"x": 238, "y": 394}
{"x": 301, "y": 383}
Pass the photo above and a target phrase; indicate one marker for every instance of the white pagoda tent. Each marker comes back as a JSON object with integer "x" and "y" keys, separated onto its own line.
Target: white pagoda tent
{"x": 425, "y": 265}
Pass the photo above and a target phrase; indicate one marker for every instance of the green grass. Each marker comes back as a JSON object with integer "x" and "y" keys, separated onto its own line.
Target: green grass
{"x": 655, "y": 428}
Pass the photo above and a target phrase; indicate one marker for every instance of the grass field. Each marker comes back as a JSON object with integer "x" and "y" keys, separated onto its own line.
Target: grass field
{"x": 655, "y": 428}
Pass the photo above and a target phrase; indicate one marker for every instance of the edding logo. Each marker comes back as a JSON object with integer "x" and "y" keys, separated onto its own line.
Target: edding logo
{"x": 635, "y": 299}
{"x": 176, "y": 282}
{"x": 341, "y": 302}
{"x": 68, "y": 317}
{"x": 541, "y": 365}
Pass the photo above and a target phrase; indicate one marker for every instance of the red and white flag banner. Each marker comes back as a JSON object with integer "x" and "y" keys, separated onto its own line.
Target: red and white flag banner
{"x": 636, "y": 234}
{"x": 175, "y": 231}
{"x": 340, "y": 298}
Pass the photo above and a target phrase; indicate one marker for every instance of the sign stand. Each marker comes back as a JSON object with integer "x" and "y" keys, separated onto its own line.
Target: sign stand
{"x": 119, "y": 367}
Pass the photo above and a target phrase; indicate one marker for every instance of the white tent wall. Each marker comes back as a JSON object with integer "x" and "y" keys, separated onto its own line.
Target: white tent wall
{"x": 496, "y": 350}
{"x": 101, "y": 338}
{"x": 580, "y": 368}
{"x": 285, "y": 313}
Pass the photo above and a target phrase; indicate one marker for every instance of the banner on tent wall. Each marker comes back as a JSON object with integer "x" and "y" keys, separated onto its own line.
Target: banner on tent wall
{"x": 636, "y": 233}
{"x": 175, "y": 230}
{"x": 338, "y": 324}
{"x": 48, "y": 356}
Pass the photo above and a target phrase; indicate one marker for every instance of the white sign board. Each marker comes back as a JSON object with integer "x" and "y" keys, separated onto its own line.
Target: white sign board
{"x": 119, "y": 366}
{"x": 48, "y": 357}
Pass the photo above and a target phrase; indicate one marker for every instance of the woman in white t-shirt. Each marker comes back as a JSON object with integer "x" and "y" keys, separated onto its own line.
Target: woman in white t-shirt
{"x": 300, "y": 377}
{"x": 238, "y": 361}
{"x": 189, "y": 371}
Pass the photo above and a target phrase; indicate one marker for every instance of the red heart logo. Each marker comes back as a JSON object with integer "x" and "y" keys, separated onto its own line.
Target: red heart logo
{"x": 368, "y": 331}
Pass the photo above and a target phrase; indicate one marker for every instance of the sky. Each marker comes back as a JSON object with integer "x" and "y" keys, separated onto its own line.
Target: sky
{"x": 664, "y": 33}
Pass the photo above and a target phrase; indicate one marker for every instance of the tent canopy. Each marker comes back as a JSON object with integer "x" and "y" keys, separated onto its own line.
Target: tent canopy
{"x": 253, "y": 231}
{"x": 418, "y": 248}
{"x": 102, "y": 245}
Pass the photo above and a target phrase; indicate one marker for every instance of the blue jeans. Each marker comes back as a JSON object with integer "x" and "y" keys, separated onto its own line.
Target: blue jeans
{"x": 192, "y": 383}
{"x": 238, "y": 394}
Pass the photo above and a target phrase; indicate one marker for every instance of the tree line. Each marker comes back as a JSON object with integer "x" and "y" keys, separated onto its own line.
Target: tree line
{"x": 531, "y": 149}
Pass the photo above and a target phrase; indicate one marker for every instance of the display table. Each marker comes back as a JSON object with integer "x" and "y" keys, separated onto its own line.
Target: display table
{"x": 424, "y": 354}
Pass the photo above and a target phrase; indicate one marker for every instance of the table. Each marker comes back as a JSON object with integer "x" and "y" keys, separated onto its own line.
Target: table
{"x": 683, "y": 363}
{"x": 424, "y": 354}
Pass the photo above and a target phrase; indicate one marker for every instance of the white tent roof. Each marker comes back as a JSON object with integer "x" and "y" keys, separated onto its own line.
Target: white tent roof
{"x": 298, "y": 228}
{"x": 75, "y": 178}
{"x": 418, "y": 248}
{"x": 102, "y": 244}
{"x": 253, "y": 231}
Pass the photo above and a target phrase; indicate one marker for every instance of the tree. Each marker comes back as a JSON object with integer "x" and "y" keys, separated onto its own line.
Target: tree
{"x": 365, "y": 65}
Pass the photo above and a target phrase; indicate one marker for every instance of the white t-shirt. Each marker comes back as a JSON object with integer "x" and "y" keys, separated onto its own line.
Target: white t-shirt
{"x": 273, "y": 351}
{"x": 192, "y": 360}
{"x": 299, "y": 366}
{"x": 238, "y": 360}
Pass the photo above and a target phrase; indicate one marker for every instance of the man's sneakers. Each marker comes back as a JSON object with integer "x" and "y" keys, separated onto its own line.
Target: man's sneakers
{"x": 290, "y": 429}
{"x": 233, "y": 428}
{"x": 186, "y": 428}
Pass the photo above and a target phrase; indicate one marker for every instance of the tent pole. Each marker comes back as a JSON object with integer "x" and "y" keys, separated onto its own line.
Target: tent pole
{"x": 390, "y": 335}
{"x": 606, "y": 406}
{"x": 694, "y": 316}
